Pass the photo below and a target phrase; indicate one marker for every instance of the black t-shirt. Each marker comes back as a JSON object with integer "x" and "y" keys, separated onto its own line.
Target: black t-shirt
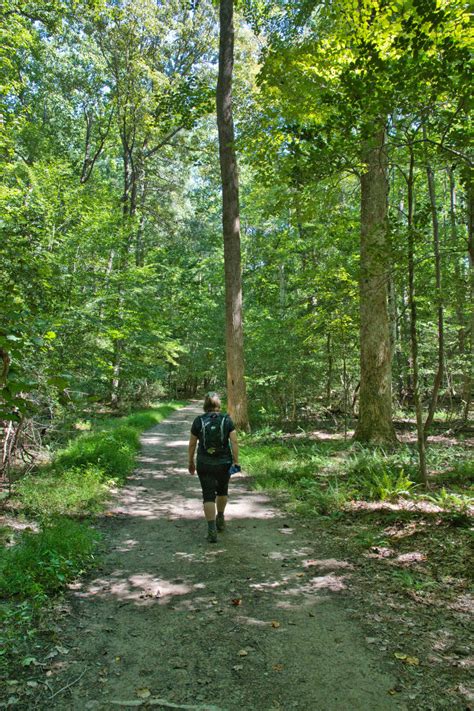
{"x": 204, "y": 457}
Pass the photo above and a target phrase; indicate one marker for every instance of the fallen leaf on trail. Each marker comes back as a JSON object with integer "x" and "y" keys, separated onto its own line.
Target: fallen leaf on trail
{"x": 237, "y": 601}
{"x": 243, "y": 653}
{"x": 413, "y": 661}
{"x": 278, "y": 667}
{"x": 143, "y": 693}
{"x": 275, "y": 624}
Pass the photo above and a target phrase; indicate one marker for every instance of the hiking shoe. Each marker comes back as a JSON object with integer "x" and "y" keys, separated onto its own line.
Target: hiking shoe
{"x": 212, "y": 535}
{"x": 220, "y": 522}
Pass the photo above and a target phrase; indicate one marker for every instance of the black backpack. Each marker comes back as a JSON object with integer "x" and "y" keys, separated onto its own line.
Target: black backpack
{"x": 213, "y": 436}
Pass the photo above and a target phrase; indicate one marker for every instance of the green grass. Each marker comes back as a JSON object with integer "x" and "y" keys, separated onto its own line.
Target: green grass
{"x": 378, "y": 477}
{"x": 78, "y": 480}
{"x": 75, "y": 492}
{"x": 40, "y": 564}
{"x": 322, "y": 477}
{"x": 307, "y": 471}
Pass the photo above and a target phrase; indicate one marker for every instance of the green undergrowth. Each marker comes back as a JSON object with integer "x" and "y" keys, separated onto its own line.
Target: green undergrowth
{"x": 42, "y": 562}
{"x": 60, "y": 543}
{"x": 372, "y": 504}
{"x": 81, "y": 474}
{"x": 324, "y": 477}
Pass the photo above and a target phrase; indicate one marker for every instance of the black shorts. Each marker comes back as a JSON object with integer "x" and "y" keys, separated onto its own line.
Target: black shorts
{"x": 214, "y": 480}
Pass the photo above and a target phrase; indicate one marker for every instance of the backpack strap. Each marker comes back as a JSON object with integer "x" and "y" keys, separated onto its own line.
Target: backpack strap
{"x": 224, "y": 418}
{"x": 203, "y": 431}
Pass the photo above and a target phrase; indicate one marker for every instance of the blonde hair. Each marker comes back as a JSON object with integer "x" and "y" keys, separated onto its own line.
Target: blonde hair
{"x": 212, "y": 402}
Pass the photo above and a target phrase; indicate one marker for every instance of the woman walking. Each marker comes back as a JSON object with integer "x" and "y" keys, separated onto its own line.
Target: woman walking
{"x": 218, "y": 450}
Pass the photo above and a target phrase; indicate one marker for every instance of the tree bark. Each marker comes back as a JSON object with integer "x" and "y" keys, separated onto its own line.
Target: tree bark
{"x": 439, "y": 300}
{"x": 375, "y": 409}
{"x": 116, "y": 372}
{"x": 413, "y": 324}
{"x": 236, "y": 388}
{"x": 329, "y": 369}
{"x": 469, "y": 376}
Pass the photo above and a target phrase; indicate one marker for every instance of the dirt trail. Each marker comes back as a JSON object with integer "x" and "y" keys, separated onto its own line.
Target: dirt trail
{"x": 158, "y": 619}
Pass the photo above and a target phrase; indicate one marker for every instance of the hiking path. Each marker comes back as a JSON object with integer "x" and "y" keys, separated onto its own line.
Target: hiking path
{"x": 260, "y": 620}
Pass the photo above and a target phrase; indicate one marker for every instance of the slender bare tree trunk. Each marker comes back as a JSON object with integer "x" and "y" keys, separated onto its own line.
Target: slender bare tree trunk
{"x": 467, "y": 395}
{"x": 375, "y": 425}
{"x": 116, "y": 372}
{"x": 460, "y": 302}
{"x": 236, "y": 388}
{"x": 329, "y": 369}
{"x": 413, "y": 322}
{"x": 439, "y": 300}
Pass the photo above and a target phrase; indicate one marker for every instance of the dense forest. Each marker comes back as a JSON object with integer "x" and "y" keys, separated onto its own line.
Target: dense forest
{"x": 352, "y": 141}
{"x": 300, "y": 239}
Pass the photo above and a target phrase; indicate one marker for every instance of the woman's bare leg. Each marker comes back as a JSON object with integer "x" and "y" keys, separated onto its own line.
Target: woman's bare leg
{"x": 210, "y": 510}
{"x": 221, "y": 502}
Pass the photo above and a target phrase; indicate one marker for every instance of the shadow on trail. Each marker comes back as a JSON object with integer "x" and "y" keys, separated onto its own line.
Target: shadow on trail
{"x": 137, "y": 580}
{"x": 256, "y": 621}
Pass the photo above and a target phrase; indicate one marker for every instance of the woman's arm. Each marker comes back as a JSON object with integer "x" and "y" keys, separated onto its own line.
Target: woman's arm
{"x": 235, "y": 446}
{"x": 191, "y": 449}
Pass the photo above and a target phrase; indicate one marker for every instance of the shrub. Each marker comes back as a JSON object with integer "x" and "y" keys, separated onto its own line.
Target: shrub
{"x": 72, "y": 491}
{"x": 44, "y": 562}
{"x": 114, "y": 452}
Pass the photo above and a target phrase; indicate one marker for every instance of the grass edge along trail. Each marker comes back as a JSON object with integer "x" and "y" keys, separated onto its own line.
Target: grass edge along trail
{"x": 56, "y": 543}
{"x": 369, "y": 500}
{"x": 409, "y": 550}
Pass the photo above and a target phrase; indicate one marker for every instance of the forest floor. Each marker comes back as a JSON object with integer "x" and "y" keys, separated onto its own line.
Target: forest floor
{"x": 276, "y": 616}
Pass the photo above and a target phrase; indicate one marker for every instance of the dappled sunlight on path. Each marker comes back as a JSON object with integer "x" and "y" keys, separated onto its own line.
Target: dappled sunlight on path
{"x": 256, "y": 621}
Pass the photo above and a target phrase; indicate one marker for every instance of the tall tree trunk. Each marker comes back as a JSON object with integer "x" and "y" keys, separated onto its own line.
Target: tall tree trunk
{"x": 439, "y": 299}
{"x": 375, "y": 425}
{"x": 413, "y": 322}
{"x": 469, "y": 376}
{"x": 236, "y": 388}
{"x": 329, "y": 369}
{"x": 459, "y": 276}
{"x": 116, "y": 372}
